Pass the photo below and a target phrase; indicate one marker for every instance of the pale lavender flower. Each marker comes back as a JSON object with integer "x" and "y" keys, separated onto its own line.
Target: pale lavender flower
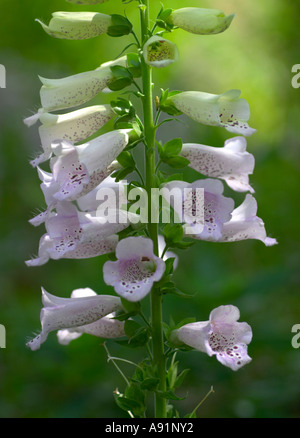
{"x": 84, "y": 308}
{"x": 222, "y": 336}
{"x": 78, "y": 235}
{"x": 231, "y": 163}
{"x": 244, "y": 224}
{"x": 215, "y": 207}
{"x": 109, "y": 194}
{"x": 106, "y": 327}
{"x": 76, "y": 170}
{"x": 136, "y": 269}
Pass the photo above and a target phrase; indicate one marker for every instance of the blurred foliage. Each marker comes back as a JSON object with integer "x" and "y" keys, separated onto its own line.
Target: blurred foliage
{"x": 255, "y": 55}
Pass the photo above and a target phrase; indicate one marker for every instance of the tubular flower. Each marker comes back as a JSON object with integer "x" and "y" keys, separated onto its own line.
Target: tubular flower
{"x": 75, "y": 90}
{"x": 78, "y": 235}
{"x": 227, "y": 110}
{"x": 74, "y": 126}
{"x": 136, "y": 269}
{"x": 222, "y": 336}
{"x": 105, "y": 327}
{"x": 231, "y": 163}
{"x": 159, "y": 52}
{"x": 109, "y": 194}
{"x": 76, "y": 170}
{"x": 244, "y": 225}
{"x": 84, "y": 308}
{"x": 77, "y": 25}
{"x": 202, "y": 215}
{"x": 200, "y": 21}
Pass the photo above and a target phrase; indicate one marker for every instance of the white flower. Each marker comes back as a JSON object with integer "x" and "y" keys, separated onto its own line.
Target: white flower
{"x": 159, "y": 52}
{"x": 227, "y": 110}
{"x": 231, "y": 163}
{"x": 222, "y": 336}
{"x": 83, "y": 309}
{"x": 77, "y": 25}
{"x": 200, "y": 21}
{"x": 74, "y": 126}
{"x": 75, "y": 90}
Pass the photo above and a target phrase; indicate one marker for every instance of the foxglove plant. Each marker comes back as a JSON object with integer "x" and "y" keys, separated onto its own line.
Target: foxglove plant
{"x": 87, "y": 166}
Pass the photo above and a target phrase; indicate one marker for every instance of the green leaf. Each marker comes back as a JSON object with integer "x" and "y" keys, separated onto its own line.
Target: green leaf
{"x": 122, "y": 107}
{"x": 182, "y": 245}
{"x": 131, "y": 327}
{"x": 177, "y": 162}
{"x": 122, "y": 78}
{"x": 174, "y": 177}
{"x": 130, "y": 306}
{"x": 120, "y": 26}
{"x": 134, "y": 392}
{"x": 134, "y": 64}
{"x": 150, "y": 383}
{"x": 173, "y": 234}
{"x": 119, "y": 84}
{"x": 164, "y": 14}
{"x": 121, "y": 174}
{"x": 169, "y": 265}
{"x": 169, "y": 395}
{"x": 172, "y": 147}
{"x": 124, "y": 316}
{"x": 180, "y": 378}
{"x": 125, "y": 403}
{"x": 126, "y": 159}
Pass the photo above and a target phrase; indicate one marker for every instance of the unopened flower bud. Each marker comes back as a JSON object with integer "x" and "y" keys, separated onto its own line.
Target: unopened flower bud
{"x": 200, "y": 21}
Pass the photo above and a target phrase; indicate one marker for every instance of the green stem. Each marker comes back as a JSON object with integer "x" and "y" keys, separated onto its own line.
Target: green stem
{"x": 156, "y": 298}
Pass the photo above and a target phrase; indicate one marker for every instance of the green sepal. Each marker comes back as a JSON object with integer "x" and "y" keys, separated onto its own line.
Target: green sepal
{"x": 166, "y": 105}
{"x": 162, "y": 18}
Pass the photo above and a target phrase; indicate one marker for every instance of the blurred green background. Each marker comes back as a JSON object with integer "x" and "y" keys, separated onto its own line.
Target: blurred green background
{"x": 255, "y": 55}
